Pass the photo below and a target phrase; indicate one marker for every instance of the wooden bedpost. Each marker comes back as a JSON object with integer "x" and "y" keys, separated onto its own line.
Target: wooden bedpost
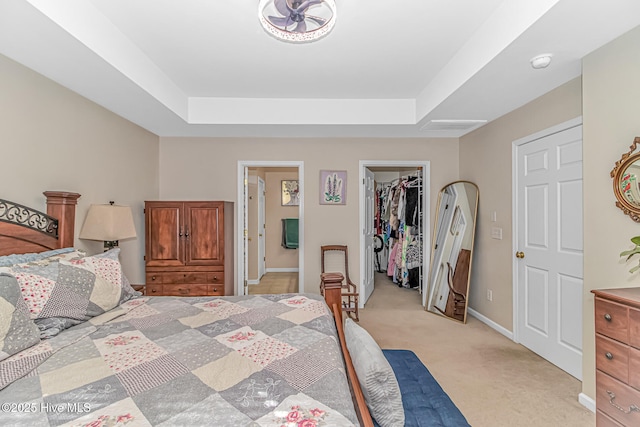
{"x": 333, "y": 294}
{"x": 62, "y": 206}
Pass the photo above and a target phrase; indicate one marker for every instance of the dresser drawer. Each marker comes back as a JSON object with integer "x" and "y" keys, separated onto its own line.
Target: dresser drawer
{"x": 612, "y": 357}
{"x": 634, "y": 327}
{"x": 616, "y": 399}
{"x": 612, "y": 320}
{"x": 216, "y": 278}
{"x": 634, "y": 368}
{"x": 604, "y": 421}
{"x": 186, "y": 278}
{"x": 185, "y": 290}
{"x": 179, "y": 278}
{"x": 154, "y": 290}
{"x": 217, "y": 290}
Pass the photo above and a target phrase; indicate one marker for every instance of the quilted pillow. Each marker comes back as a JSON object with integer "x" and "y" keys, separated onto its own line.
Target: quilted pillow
{"x": 68, "y": 289}
{"x": 379, "y": 384}
{"x": 17, "y": 331}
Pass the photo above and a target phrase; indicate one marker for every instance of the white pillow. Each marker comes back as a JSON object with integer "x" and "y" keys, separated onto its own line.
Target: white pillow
{"x": 377, "y": 380}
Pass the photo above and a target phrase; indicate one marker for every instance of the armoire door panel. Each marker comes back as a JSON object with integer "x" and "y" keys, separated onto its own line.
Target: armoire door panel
{"x": 164, "y": 245}
{"x": 204, "y": 241}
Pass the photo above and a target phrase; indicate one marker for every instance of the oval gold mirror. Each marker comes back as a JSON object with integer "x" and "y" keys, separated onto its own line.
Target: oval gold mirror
{"x": 626, "y": 182}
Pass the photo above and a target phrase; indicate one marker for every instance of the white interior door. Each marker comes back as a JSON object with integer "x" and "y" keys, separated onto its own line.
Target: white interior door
{"x": 549, "y": 267}
{"x": 245, "y": 234}
{"x": 369, "y": 231}
{"x": 261, "y": 231}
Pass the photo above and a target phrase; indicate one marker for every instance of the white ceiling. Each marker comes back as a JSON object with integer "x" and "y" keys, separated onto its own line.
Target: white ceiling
{"x": 207, "y": 68}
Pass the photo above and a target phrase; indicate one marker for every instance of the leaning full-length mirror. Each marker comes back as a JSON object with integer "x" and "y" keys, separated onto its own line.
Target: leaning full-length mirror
{"x": 451, "y": 256}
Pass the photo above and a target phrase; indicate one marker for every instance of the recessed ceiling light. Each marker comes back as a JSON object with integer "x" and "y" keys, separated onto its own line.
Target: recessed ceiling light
{"x": 541, "y": 61}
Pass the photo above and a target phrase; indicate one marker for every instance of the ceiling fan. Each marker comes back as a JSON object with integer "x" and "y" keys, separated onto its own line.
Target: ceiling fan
{"x": 294, "y": 14}
{"x": 297, "y": 20}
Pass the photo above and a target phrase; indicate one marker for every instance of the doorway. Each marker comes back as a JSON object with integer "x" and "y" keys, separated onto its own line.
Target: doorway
{"x": 372, "y": 258}
{"x": 548, "y": 244}
{"x": 265, "y": 205}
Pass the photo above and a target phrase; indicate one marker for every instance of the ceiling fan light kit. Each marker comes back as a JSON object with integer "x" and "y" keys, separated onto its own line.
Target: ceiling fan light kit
{"x": 297, "y": 21}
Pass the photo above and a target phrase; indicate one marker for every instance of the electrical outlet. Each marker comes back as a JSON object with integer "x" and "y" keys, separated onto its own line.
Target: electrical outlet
{"x": 496, "y": 233}
{"x": 489, "y": 295}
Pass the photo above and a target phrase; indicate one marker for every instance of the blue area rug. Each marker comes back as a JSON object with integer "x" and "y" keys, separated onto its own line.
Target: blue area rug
{"x": 425, "y": 402}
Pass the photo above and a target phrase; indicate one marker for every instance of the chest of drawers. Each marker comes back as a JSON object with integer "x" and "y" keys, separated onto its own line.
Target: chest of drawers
{"x": 617, "y": 326}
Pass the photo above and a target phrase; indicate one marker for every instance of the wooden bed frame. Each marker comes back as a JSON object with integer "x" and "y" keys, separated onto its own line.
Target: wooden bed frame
{"x": 25, "y": 230}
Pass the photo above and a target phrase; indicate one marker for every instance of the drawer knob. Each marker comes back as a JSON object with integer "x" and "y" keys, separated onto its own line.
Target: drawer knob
{"x": 184, "y": 291}
{"x": 609, "y": 356}
{"x": 612, "y": 397}
{"x": 153, "y": 277}
{"x": 607, "y": 317}
{"x": 154, "y": 291}
{"x": 215, "y": 289}
{"x": 215, "y": 277}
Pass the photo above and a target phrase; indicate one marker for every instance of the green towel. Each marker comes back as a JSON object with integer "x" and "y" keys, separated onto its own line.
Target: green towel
{"x": 290, "y": 233}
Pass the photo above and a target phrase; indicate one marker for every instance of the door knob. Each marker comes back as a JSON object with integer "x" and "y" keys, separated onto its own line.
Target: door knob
{"x": 519, "y": 254}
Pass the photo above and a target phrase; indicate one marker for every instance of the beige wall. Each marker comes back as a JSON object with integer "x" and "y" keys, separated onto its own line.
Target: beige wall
{"x": 277, "y": 256}
{"x": 485, "y": 158}
{"x": 611, "y": 113}
{"x": 54, "y": 139}
{"x": 200, "y": 168}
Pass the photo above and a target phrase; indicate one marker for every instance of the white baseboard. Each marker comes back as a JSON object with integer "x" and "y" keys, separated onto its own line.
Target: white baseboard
{"x": 587, "y": 402}
{"x": 253, "y": 282}
{"x": 283, "y": 270}
{"x": 493, "y": 325}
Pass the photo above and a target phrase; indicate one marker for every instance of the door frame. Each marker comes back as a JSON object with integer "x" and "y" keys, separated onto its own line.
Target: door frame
{"x": 262, "y": 218}
{"x": 240, "y": 214}
{"x": 514, "y": 206}
{"x": 426, "y": 214}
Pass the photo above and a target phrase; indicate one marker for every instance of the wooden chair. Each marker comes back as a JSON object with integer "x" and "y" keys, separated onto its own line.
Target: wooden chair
{"x": 349, "y": 290}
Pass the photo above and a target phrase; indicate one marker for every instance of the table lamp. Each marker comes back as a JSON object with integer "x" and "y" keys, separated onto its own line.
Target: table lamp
{"x": 108, "y": 223}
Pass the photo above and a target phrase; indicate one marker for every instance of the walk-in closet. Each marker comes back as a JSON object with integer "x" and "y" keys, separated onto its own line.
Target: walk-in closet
{"x": 399, "y": 228}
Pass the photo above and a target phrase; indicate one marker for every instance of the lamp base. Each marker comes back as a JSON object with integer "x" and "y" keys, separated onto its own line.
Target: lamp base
{"x": 110, "y": 244}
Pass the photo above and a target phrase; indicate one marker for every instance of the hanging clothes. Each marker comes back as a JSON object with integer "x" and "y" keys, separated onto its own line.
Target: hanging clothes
{"x": 398, "y": 219}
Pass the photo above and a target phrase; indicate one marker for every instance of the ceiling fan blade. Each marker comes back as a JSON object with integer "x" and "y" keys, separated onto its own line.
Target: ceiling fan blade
{"x": 301, "y": 27}
{"x": 282, "y": 6}
{"x": 280, "y": 22}
{"x": 317, "y": 20}
{"x": 306, "y": 5}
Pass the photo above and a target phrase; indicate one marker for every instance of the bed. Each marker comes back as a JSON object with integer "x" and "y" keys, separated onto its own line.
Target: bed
{"x": 123, "y": 359}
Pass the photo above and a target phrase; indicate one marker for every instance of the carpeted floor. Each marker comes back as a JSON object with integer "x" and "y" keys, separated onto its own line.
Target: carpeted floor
{"x": 494, "y": 381}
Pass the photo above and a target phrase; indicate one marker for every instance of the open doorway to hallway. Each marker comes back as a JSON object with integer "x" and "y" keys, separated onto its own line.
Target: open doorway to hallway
{"x": 271, "y": 240}
{"x": 395, "y": 221}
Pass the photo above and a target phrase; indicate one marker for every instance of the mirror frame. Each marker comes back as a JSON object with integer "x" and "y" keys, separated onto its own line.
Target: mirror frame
{"x": 433, "y": 250}
{"x": 619, "y": 169}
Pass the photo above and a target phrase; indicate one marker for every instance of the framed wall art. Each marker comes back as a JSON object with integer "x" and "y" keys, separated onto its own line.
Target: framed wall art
{"x": 333, "y": 187}
{"x": 290, "y": 192}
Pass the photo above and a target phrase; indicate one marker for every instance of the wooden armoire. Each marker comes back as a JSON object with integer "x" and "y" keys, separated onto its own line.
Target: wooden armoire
{"x": 189, "y": 248}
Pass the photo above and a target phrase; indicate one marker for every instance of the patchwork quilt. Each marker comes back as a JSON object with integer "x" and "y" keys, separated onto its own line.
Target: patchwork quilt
{"x": 268, "y": 360}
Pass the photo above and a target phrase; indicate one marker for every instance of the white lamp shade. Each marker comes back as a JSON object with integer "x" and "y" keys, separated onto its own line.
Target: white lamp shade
{"x": 108, "y": 223}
